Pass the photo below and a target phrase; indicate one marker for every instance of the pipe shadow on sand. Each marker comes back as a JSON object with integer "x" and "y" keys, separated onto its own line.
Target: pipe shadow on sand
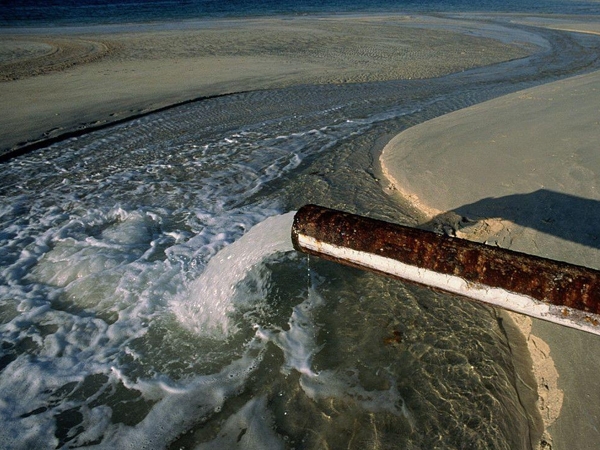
{"x": 567, "y": 217}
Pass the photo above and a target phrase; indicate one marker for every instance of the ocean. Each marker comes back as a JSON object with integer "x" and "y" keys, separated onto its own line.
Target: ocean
{"x": 150, "y": 297}
{"x": 19, "y": 13}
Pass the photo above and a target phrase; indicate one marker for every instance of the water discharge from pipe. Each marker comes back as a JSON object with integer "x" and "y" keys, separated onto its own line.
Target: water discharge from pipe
{"x": 212, "y": 295}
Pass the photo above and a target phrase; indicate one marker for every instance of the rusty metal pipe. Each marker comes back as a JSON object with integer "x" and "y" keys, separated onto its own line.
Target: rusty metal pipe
{"x": 551, "y": 290}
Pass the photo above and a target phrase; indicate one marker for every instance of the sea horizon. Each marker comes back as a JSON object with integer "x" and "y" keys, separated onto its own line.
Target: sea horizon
{"x": 59, "y": 13}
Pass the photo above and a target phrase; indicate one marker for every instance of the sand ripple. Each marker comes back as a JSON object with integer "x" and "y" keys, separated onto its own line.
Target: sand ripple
{"x": 327, "y": 50}
{"x": 23, "y": 57}
{"x": 105, "y": 73}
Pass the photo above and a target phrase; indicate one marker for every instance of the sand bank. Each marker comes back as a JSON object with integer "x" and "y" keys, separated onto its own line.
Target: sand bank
{"x": 522, "y": 172}
{"x": 55, "y": 81}
{"x": 579, "y": 24}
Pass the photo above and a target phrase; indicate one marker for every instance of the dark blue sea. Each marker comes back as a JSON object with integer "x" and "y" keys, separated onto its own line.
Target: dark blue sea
{"x": 80, "y": 12}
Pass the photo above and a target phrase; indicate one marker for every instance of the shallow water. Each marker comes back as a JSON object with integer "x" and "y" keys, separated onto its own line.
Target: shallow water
{"x": 149, "y": 296}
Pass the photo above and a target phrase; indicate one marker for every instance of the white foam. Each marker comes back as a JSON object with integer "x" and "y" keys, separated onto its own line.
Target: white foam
{"x": 209, "y": 300}
{"x": 91, "y": 267}
{"x": 298, "y": 342}
{"x": 180, "y": 404}
{"x": 104, "y": 236}
{"x": 252, "y": 427}
{"x": 299, "y": 345}
{"x": 346, "y": 385}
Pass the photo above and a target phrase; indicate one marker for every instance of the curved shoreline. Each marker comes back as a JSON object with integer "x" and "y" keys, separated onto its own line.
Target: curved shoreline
{"x": 36, "y": 145}
{"x": 522, "y": 172}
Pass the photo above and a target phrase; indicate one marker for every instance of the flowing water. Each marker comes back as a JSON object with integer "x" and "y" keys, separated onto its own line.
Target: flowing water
{"x": 149, "y": 296}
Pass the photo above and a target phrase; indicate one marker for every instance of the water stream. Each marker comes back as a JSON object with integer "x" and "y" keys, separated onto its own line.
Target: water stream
{"x": 149, "y": 296}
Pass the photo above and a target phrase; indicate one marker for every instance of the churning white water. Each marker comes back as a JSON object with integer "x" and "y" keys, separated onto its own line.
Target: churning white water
{"x": 142, "y": 298}
{"x": 209, "y": 300}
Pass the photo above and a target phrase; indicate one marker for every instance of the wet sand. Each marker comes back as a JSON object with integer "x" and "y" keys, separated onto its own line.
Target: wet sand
{"x": 52, "y": 84}
{"x": 524, "y": 171}
{"x": 56, "y": 81}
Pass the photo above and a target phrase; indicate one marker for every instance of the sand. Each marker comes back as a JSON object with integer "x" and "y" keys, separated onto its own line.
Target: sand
{"x": 523, "y": 172}
{"x": 53, "y": 83}
{"x": 56, "y": 81}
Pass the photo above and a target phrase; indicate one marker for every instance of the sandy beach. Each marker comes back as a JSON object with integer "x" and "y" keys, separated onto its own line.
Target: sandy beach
{"x": 522, "y": 172}
{"x": 469, "y": 164}
{"x": 73, "y": 79}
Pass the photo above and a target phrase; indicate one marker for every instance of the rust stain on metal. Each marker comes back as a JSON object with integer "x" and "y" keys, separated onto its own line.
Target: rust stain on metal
{"x": 554, "y": 282}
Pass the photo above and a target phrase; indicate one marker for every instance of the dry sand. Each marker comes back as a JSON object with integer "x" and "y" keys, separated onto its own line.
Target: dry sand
{"x": 56, "y": 81}
{"x": 523, "y": 172}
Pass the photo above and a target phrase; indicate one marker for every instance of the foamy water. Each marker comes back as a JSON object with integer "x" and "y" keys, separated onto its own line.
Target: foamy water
{"x": 149, "y": 296}
{"x": 154, "y": 300}
{"x": 209, "y": 300}
{"x": 135, "y": 291}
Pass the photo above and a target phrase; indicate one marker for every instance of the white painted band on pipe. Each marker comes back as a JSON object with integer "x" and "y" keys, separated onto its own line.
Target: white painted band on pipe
{"x": 450, "y": 283}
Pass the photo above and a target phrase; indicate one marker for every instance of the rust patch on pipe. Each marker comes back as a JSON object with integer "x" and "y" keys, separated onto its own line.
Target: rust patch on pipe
{"x": 554, "y": 282}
